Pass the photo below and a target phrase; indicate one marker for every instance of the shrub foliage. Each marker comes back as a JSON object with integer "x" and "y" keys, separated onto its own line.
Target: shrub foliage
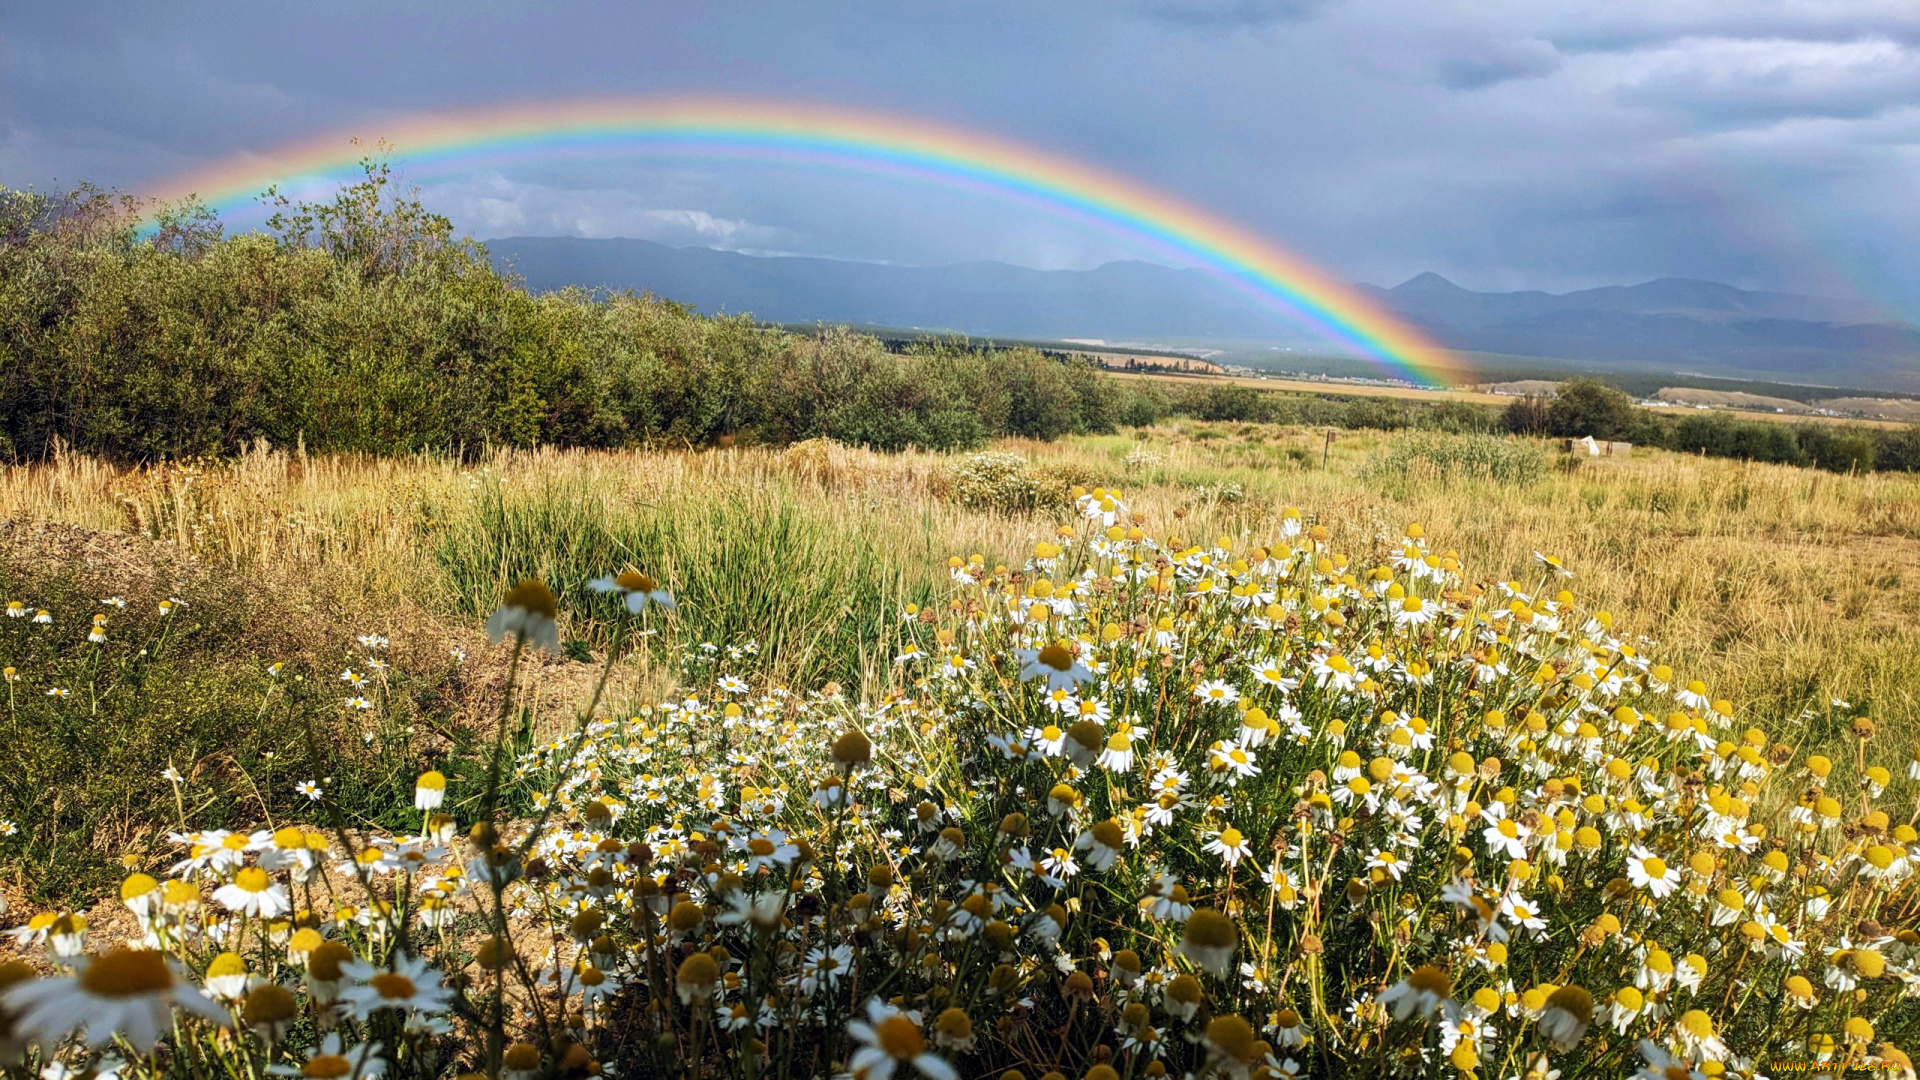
{"x": 364, "y": 325}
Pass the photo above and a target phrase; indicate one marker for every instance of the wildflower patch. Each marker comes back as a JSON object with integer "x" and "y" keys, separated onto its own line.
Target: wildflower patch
{"x": 1141, "y": 805}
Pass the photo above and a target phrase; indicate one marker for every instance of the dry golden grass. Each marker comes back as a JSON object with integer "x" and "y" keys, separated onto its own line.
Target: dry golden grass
{"x": 1314, "y": 386}
{"x": 1719, "y": 402}
{"x": 1785, "y": 588}
{"x": 1781, "y": 418}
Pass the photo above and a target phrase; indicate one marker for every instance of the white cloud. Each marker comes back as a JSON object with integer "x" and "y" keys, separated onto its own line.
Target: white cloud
{"x": 720, "y": 232}
{"x": 1737, "y": 79}
{"x": 495, "y": 204}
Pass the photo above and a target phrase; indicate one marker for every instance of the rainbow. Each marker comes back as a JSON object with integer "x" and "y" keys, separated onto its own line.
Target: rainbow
{"x": 868, "y": 142}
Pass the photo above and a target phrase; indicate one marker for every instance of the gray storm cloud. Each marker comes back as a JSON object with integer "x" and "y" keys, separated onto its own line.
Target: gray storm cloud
{"x": 1544, "y": 144}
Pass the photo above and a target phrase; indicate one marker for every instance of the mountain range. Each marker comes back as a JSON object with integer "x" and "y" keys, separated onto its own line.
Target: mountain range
{"x": 1669, "y": 324}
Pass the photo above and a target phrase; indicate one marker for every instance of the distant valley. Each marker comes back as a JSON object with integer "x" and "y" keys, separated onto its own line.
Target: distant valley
{"x": 1664, "y": 325}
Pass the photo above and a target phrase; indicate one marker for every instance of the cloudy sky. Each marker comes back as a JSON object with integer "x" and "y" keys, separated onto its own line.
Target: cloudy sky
{"x": 1505, "y": 143}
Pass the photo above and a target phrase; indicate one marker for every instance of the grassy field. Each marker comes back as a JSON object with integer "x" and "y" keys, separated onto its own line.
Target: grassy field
{"x": 1314, "y": 386}
{"x": 1789, "y": 590}
{"x": 1720, "y": 402}
{"x": 1788, "y": 586}
{"x": 1783, "y": 417}
{"x": 1792, "y": 594}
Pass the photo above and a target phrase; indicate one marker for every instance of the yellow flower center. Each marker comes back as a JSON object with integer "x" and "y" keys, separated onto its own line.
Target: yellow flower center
{"x": 532, "y": 597}
{"x": 227, "y": 965}
{"x": 392, "y": 985}
{"x": 900, "y": 1037}
{"x": 1431, "y": 980}
{"x": 1056, "y": 657}
{"x": 326, "y": 1067}
{"x": 1209, "y": 929}
{"x": 635, "y": 581}
{"x": 126, "y": 973}
{"x": 1233, "y": 1036}
{"x": 136, "y": 886}
{"x": 1574, "y": 1001}
{"x": 252, "y": 879}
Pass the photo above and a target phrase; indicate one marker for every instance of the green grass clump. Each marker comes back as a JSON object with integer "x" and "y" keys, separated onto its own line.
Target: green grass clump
{"x": 819, "y": 592}
{"x": 181, "y": 715}
{"x": 1442, "y": 458}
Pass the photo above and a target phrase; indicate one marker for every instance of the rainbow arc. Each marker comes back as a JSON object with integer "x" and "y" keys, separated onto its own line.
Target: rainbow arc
{"x": 868, "y": 142}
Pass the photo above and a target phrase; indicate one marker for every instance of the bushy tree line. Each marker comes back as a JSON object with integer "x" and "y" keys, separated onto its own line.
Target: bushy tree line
{"x": 364, "y": 325}
{"x": 1207, "y": 400}
{"x": 1591, "y": 407}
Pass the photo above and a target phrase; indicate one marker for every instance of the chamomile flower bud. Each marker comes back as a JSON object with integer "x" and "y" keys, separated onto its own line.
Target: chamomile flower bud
{"x": 1565, "y": 1017}
{"x": 637, "y": 590}
{"x": 1209, "y": 941}
{"x": 1422, "y": 994}
{"x": 430, "y": 790}
{"x": 527, "y": 614}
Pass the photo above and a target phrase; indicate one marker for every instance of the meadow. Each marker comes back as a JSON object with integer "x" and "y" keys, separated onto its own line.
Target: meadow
{"x": 807, "y": 584}
{"x": 1791, "y": 587}
{"x": 411, "y": 676}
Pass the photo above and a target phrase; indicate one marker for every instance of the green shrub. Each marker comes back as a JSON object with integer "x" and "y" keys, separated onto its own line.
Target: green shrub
{"x": 1228, "y": 401}
{"x": 1525, "y": 416}
{"x": 1585, "y": 406}
{"x": 363, "y": 325}
{"x": 1898, "y": 450}
{"x": 1750, "y": 440}
{"x": 1142, "y": 403}
{"x": 1454, "y": 418}
{"x": 1378, "y": 413}
{"x": 1835, "y": 448}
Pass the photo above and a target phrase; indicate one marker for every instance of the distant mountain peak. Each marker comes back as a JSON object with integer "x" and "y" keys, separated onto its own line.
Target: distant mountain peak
{"x": 1667, "y": 324}
{"x": 1429, "y": 282}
